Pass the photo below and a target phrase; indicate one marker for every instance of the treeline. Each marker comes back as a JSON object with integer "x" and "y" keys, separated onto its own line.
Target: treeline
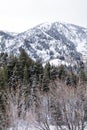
{"x": 24, "y": 70}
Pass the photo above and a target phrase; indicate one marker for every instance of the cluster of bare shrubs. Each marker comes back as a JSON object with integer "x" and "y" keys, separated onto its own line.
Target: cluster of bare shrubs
{"x": 61, "y": 106}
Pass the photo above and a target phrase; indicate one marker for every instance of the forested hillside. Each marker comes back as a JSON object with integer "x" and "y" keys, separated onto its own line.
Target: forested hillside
{"x": 35, "y": 95}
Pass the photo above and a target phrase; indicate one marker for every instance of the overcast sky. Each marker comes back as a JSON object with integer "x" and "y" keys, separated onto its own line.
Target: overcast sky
{"x": 20, "y": 15}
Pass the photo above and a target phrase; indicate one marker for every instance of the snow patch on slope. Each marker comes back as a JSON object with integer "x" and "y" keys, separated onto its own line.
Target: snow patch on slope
{"x": 49, "y": 42}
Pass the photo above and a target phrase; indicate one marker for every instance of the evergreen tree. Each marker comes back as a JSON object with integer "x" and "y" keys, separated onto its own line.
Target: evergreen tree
{"x": 47, "y": 71}
{"x": 61, "y": 72}
{"x": 71, "y": 79}
{"x": 82, "y": 75}
{"x": 25, "y": 75}
{"x": 38, "y": 70}
{"x": 23, "y": 56}
{"x": 25, "y": 59}
{"x": 2, "y": 77}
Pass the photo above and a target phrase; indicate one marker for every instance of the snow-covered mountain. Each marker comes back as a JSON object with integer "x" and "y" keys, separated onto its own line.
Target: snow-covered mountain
{"x": 55, "y": 42}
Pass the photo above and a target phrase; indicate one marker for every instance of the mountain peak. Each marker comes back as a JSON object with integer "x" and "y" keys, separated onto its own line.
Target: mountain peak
{"x": 49, "y": 41}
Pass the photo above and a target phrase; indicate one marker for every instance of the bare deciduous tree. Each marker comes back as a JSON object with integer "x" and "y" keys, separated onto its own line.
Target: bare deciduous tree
{"x": 71, "y": 102}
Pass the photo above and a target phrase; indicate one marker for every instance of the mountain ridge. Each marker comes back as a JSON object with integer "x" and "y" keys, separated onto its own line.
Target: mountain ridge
{"x": 63, "y": 42}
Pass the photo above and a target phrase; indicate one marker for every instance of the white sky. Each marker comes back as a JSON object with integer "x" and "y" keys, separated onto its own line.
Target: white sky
{"x": 20, "y": 15}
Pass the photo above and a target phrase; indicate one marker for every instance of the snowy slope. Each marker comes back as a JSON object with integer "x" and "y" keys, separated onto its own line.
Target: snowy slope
{"x": 55, "y": 42}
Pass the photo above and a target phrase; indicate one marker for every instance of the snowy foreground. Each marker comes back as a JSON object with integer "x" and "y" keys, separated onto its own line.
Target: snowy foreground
{"x": 33, "y": 128}
{"x": 30, "y": 128}
{"x": 38, "y": 128}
